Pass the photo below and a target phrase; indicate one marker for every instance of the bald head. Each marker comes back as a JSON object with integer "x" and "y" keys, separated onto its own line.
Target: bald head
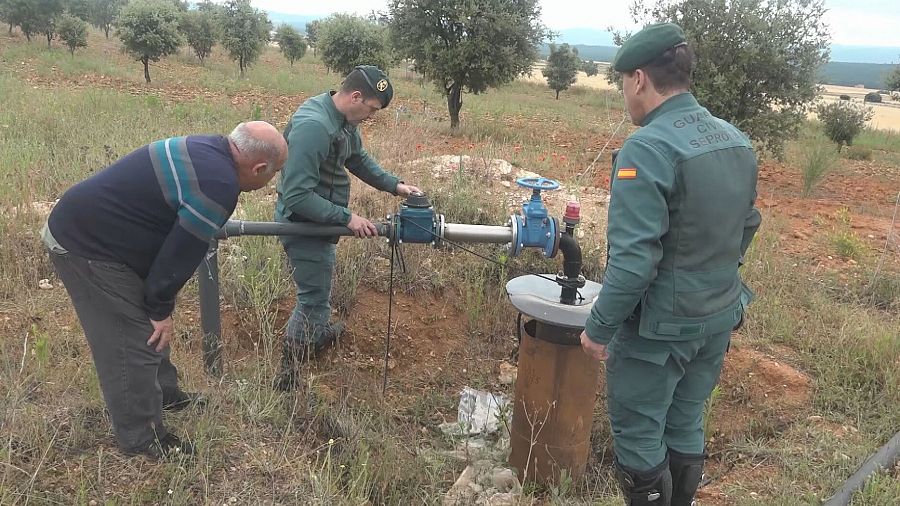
{"x": 260, "y": 152}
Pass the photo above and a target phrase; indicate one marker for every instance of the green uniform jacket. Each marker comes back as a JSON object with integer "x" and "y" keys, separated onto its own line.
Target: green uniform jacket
{"x": 314, "y": 184}
{"x": 681, "y": 216}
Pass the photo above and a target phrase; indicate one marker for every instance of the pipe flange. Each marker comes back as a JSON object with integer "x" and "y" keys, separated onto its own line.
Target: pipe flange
{"x": 514, "y": 247}
{"x": 556, "y": 239}
{"x": 439, "y": 236}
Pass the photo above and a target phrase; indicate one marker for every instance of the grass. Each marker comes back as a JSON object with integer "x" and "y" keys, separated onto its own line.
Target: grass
{"x": 337, "y": 440}
{"x": 816, "y": 161}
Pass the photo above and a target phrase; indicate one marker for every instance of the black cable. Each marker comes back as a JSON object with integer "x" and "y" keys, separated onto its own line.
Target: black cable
{"x": 387, "y": 340}
{"x": 501, "y": 264}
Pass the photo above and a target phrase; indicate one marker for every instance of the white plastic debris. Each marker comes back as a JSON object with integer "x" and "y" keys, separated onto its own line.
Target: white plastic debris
{"x": 480, "y": 411}
{"x": 45, "y": 284}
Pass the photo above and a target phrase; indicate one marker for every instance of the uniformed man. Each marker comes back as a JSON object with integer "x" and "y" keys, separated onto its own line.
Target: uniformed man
{"x": 681, "y": 216}
{"x": 324, "y": 143}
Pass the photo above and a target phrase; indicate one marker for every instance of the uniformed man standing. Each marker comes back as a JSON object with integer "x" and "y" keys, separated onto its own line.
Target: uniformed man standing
{"x": 323, "y": 143}
{"x": 681, "y": 216}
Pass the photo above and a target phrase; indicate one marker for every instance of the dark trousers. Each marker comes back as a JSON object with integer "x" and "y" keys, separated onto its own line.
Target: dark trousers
{"x": 656, "y": 391}
{"x": 108, "y": 298}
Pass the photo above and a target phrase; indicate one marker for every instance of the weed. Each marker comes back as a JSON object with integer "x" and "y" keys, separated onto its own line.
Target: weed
{"x": 816, "y": 162}
{"x": 843, "y": 240}
{"x": 708, "y": 409}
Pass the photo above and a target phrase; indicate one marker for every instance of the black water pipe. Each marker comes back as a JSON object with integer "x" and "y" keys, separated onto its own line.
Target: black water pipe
{"x": 306, "y": 229}
{"x": 884, "y": 458}
{"x": 571, "y": 252}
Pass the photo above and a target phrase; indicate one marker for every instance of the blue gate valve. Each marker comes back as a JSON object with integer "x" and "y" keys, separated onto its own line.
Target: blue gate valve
{"x": 533, "y": 227}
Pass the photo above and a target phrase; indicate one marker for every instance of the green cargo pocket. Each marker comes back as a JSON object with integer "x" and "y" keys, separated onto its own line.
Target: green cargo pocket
{"x": 637, "y": 374}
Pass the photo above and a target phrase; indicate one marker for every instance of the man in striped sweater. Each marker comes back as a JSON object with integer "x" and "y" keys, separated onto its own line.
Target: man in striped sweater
{"x": 124, "y": 242}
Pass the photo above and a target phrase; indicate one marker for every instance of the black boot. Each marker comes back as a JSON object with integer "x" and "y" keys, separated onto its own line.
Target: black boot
{"x": 294, "y": 353}
{"x": 687, "y": 471}
{"x": 646, "y": 488}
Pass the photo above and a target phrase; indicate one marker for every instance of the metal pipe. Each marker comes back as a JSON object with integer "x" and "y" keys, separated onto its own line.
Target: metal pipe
{"x": 235, "y": 228}
{"x": 884, "y": 458}
{"x": 210, "y": 321}
{"x": 459, "y": 232}
{"x": 554, "y": 404}
{"x": 571, "y": 265}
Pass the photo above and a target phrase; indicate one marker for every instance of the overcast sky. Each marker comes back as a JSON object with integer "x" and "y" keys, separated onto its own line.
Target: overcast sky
{"x": 855, "y": 22}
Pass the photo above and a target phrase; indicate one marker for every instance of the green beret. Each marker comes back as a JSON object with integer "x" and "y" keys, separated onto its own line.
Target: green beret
{"x": 644, "y": 46}
{"x": 379, "y": 83}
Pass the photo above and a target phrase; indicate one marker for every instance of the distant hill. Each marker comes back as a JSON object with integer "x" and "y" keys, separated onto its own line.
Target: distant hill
{"x": 596, "y": 53}
{"x": 872, "y": 75}
{"x": 298, "y": 21}
{"x": 864, "y": 54}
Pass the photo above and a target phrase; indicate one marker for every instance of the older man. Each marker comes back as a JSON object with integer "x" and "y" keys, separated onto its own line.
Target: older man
{"x": 681, "y": 216}
{"x": 124, "y": 242}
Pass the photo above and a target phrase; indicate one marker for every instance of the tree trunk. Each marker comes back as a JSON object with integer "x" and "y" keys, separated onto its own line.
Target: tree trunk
{"x": 241, "y": 63}
{"x": 454, "y": 104}
{"x": 49, "y": 38}
{"x": 106, "y": 32}
{"x": 10, "y": 28}
{"x": 557, "y": 94}
{"x": 146, "y": 62}
{"x": 72, "y": 51}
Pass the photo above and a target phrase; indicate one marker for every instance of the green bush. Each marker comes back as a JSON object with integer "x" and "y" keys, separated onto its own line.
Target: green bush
{"x": 873, "y": 97}
{"x": 815, "y": 163}
{"x": 859, "y": 153}
{"x": 845, "y": 97}
{"x": 843, "y": 121}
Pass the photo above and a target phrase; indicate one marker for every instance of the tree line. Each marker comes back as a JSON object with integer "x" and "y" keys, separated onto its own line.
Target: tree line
{"x": 756, "y": 59}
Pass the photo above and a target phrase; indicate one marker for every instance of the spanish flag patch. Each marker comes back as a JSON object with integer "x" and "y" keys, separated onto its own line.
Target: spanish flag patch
{"x": 627, "y": 173}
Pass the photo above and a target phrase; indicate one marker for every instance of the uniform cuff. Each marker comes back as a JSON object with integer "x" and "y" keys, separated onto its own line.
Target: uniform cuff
{"x": 599, "y": 333}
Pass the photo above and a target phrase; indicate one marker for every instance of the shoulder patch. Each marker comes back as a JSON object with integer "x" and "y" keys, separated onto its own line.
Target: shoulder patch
{"x": 626, "y": 173}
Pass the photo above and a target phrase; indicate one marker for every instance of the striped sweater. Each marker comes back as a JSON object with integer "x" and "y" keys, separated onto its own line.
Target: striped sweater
{"x": 154, "y": 210}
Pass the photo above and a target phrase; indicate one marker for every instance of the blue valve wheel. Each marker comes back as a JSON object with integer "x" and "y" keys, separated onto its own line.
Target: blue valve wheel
{"x": 537, "y": 183}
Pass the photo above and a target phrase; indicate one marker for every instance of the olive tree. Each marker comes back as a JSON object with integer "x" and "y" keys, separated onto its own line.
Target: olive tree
{"x": 562, "y": 67}
{"x": 103, "y": 13}
{"x": 345, "y": 41}
{"x": 467, "y": 45}
{"x": 245, "y": 32}
{"x": 200, "y": 28}
{"x": 290, "y": 42}
{"x": 590, "y": 68}
{"x": 72, "y": 31}
{"x": 149, "y": 31}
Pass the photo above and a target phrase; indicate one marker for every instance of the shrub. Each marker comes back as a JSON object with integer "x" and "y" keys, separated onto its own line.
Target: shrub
{"x": 843, "y": 121}
{"x": 859, "y": 153}
{"x": 845, "y": 97}
{"x": 873, "y": 97}
{"x": 817, "y": 160}
{"x": 72, "y": 31}
{"x": 845, "y": 243}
